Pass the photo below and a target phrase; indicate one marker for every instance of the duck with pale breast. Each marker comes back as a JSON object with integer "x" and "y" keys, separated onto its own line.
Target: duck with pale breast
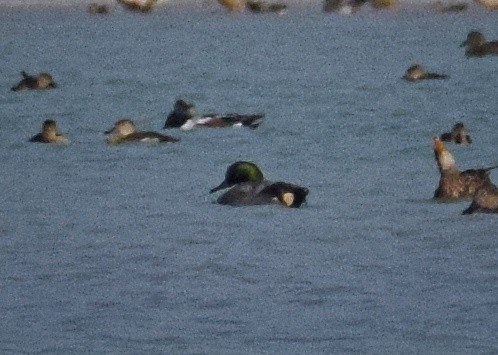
{"x": 49, "y": 134}
{"x": 247, "y": 186}
{"x": 124, "y": 131}
{"x": 477, "y": 46}
{"x": 458, "y": 134}
{"x": 454, "y": 184}
{"x": 35, "y": 82}
{"x": 184, "y": 116}
{"x": 416, "y": 72}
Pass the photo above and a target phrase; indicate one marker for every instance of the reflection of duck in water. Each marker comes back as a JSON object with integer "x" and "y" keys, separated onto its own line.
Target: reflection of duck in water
{"x": 184, "y": 116}
{"x": 458, "y": 134}
{"x": 248, "y": 187}
{"x": 49, "y": 134}
{"x": 124, "y": 131}
{"x": 416, "y": 72}
{"x": 137, "y": 5}
{"x": 454, "y": 184}
{"x": 32, "y": 82}
{"x": 485, "y": 200}
{"x": 477, "y": 46}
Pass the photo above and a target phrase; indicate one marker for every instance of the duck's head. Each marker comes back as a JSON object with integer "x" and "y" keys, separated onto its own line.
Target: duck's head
{"x": 122, "y": 128}
{"x": 474, "y": 39}
{"x": 45, "y": 81}
{"x": 461, "y": 134}
{"x": 444, "y": 158}
{"x": 239, "y": 172}
{"x": 415, "y": 72}
{"x": 184, "y": 108}
{"x": 49, "y": 129}
{"x": 182, "y": 112}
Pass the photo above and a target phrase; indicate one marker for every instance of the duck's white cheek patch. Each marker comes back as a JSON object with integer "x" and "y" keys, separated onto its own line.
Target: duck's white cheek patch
{"x": 288, "y": 199}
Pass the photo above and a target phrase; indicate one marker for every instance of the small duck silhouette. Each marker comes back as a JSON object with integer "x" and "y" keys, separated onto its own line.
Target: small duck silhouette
{"x": 49, "y": 134}
{"x": 458, "y": 134}
{"x": 31, "y": 82}
{"x": 248, "y": 187}
{"x": 261, "y": 7}
{"x": 124, "y": 131}
{"x": 485, "y": 200}
{"x": 184, "y": 116}
{"x": 233, "y": 5}
{"x": 454, "y": 184}
{"x": 95, "y": 8}
{"x": 477, "y": 46}
{"x": 143, "y": 6}
{"x": 416, "y": 72}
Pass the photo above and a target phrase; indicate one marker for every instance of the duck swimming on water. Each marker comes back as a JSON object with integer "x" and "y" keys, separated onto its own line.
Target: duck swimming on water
{"x": 458, "y": 134}
{"x": 477, "y": 46}
{"x": 485, "y": 200}
{"x": 33, "y": 82}
{"x": 49, "y": 134}
{"x": 454, "y": 184}
{"x": 184, "y": 116}
{"x": 248, "y": 187}
{"x": 416, "y": 72}
{"x": 124, "y": 131}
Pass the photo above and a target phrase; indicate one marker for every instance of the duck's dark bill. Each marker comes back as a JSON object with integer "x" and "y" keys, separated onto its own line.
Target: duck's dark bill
{"x": 221, "y": 186}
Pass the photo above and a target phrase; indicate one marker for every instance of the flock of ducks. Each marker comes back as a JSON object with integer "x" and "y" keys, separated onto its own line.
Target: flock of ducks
{"x": 243, "y": 179}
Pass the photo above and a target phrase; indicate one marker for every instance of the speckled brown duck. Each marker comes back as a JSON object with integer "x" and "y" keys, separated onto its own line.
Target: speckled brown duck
{"x": 49, "y": 134}
{"x": 95, "y": 8}
{"x": 138, "y": 5}
{"x": 416, "y": 73}
{"x": 35, "y": 82}
{"x": 124, "y": 131}
{"x": 454, "y": 184}
{"x": 477, "y": 46}
{"x": 485, "y": 200}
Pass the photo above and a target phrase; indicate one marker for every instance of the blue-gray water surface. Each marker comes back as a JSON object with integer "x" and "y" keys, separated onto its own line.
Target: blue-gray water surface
{"x": 121, "y": 249}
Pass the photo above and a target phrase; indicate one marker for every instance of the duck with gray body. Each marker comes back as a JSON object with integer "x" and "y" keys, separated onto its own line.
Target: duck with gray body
{"x": 247, "y": 186}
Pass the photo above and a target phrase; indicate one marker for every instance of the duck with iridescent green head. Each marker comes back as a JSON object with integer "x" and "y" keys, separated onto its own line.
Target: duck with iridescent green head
{"x": 249, "y": 187}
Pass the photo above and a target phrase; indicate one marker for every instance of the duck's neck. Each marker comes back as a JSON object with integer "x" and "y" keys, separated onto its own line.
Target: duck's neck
{"x": 446, "y": 162}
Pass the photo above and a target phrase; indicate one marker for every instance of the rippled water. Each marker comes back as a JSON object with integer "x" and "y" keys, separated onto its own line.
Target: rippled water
{"x": 121, "y": 249}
